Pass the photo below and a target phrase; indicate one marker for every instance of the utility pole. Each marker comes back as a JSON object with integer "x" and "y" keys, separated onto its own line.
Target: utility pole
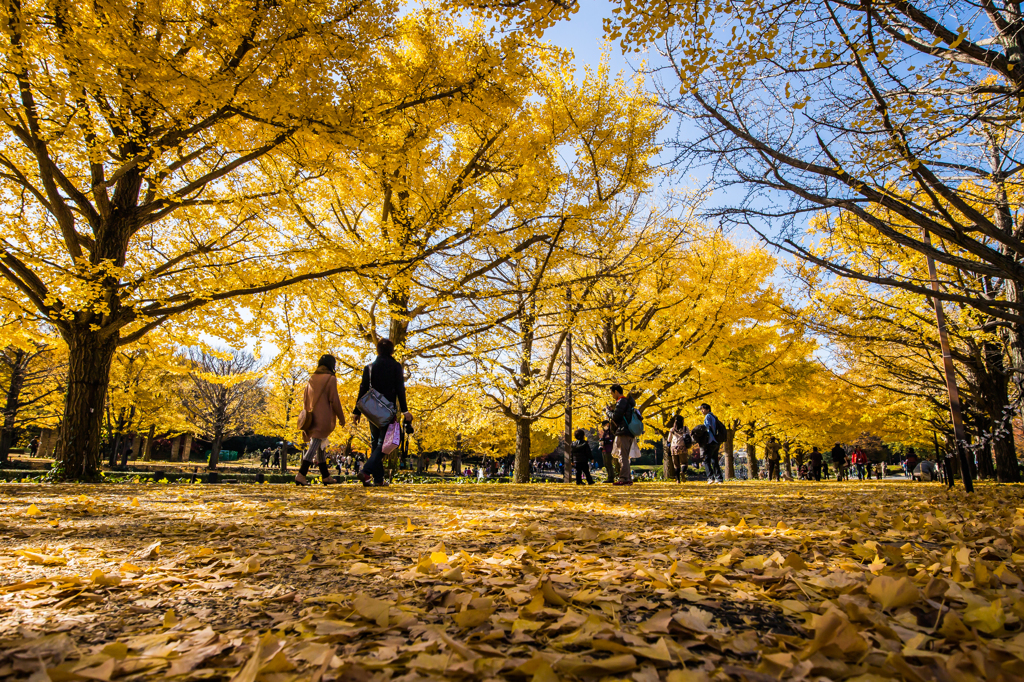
{"x": 567, "y": 436}
{"x": 947, "y": 362}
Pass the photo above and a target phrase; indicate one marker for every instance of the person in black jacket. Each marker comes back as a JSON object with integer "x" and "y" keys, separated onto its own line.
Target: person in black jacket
{"x": 387, "y": 376}
{"x": 839, "y": 461}
{"x": 581, "y": 457}
{"x": 621, "y": 415}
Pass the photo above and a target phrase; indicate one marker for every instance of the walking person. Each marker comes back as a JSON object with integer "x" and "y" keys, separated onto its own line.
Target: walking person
{"x": 620, "y": 418}
{"x": 387, "y": 377}
{"x": 716, "y": 433}
{"x": 911, "y": 463}
{"x": 771, "y": 453}
{"x": 581, "y": 457}
{"x": 815, "y": 460}
{"x": 33, "y": 447}
{"x": 320, "y": 399}
{"x": 859, "y": 460}
{"x": 839, "y": 461}
{"x": 679, "y": 440}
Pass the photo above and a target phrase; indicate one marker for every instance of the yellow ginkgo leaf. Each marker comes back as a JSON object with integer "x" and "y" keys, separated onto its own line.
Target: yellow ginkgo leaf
{"x": 892, "y": 593}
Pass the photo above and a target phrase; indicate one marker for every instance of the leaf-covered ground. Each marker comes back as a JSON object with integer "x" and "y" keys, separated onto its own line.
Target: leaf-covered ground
{"x": 751, "y": 581}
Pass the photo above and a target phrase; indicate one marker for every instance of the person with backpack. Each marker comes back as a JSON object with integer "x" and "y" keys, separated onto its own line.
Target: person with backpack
{"x": 581, "y": 457}
{"x": 679, "y": 441}
{"x": 716, "y": 436}
{"x": 321, "y": 403}
{"x": 624, "y": 417}
{"x": 383, "y": 379}
{"x": 771, "y": 453}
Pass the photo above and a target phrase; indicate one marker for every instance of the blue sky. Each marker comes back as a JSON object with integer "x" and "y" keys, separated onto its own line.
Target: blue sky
{"x": 584, "y": 35}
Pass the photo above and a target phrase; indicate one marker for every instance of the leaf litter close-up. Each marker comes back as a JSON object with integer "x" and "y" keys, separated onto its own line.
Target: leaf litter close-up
{"x": 659, "y": 582}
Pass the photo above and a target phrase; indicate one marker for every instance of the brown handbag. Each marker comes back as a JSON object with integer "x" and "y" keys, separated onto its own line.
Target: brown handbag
{"x": 305, "y": 421}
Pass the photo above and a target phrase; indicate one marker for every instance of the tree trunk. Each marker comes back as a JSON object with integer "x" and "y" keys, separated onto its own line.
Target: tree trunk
{"x": 730, "y": 449}
{"x": 13, "y": 402}
{"x": 78, "y": 441}
{"x": 789, "y": 465}
{"x": 668, "y": 463}
{"x": 982, "y": 452}
{"x": 186, "y": 448}
{"x": 457, "y": 456}
{"x": 752, "y": 467}
{"x": 521, "y": 473}
{"x": 215, "y": 449}
{"x": 421, "y": 457}
{"x": 148, "y": 447}
{"x": 1000, "y": 411}
{"x": 126, "y": 447}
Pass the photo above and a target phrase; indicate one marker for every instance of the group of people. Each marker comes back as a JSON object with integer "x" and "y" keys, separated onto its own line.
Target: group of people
{"x": 618, "y": 441}
{"x": 385, "y": 378}
{"x": 271, "y": 457}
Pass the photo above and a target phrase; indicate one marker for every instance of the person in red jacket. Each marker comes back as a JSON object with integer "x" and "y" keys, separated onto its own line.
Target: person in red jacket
{"x": 860, "y": 460}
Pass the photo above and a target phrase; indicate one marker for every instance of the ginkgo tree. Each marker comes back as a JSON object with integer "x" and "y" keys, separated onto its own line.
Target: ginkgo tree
{"x": 147, "y": 149}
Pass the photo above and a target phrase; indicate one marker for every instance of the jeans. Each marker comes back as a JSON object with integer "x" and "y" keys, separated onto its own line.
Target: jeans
{"x": 375, "y": 465}
{"x": 773, "y": 470}
{"x": 860, "y": 472}
{"x": 711, "y": 466}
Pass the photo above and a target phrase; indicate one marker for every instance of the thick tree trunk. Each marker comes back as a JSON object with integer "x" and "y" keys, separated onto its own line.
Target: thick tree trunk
{"x": 789, "y": 464}
{"x": 148, "y": 447}
{"x": 1000, "y": 411}
{"x": 457, "y": 456}
{"x": 78, "y": 441}
{"x": 218, "y": 435}
{"x": 669, "y": 466}
{"x": 421, "y": 457}
{"x": 752, "y": 467}
{"x": 521, "y": 473}
{"x": 11, "y": 405}
{"x": 981, "y": 452}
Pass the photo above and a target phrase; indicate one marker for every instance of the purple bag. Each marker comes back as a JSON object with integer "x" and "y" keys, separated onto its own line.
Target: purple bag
{"x": 392, "y": 438}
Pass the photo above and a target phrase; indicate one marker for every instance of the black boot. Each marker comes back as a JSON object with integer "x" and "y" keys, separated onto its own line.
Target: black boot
{"x": 300, "y": 478}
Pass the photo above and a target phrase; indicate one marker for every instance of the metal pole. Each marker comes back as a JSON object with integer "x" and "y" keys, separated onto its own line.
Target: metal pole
{"x": 567, "y": 469}
{"x": 947, "y": 363}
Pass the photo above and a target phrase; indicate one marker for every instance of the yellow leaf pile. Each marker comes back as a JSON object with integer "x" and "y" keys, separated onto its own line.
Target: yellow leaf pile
{"x": 656, "y": 582}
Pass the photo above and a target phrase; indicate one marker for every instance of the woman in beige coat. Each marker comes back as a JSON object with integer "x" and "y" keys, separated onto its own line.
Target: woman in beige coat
{"x": 321, "y": 400}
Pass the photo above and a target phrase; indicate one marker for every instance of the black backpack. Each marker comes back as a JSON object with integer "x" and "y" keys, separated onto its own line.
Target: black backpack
{"x": 720, "y": 433}
{"x": 700, "y": 435}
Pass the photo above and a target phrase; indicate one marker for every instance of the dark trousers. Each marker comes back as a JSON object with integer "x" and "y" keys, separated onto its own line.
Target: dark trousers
{"x": 583, "y": 469}
{"x": 773, "y": 470}
{"x": 375, "y": 465}
{"x": 860, "y": 472}
{"x": 711, "y": 466}
{"x": 609, "y": 464}
{"x": 816, "y": 472}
